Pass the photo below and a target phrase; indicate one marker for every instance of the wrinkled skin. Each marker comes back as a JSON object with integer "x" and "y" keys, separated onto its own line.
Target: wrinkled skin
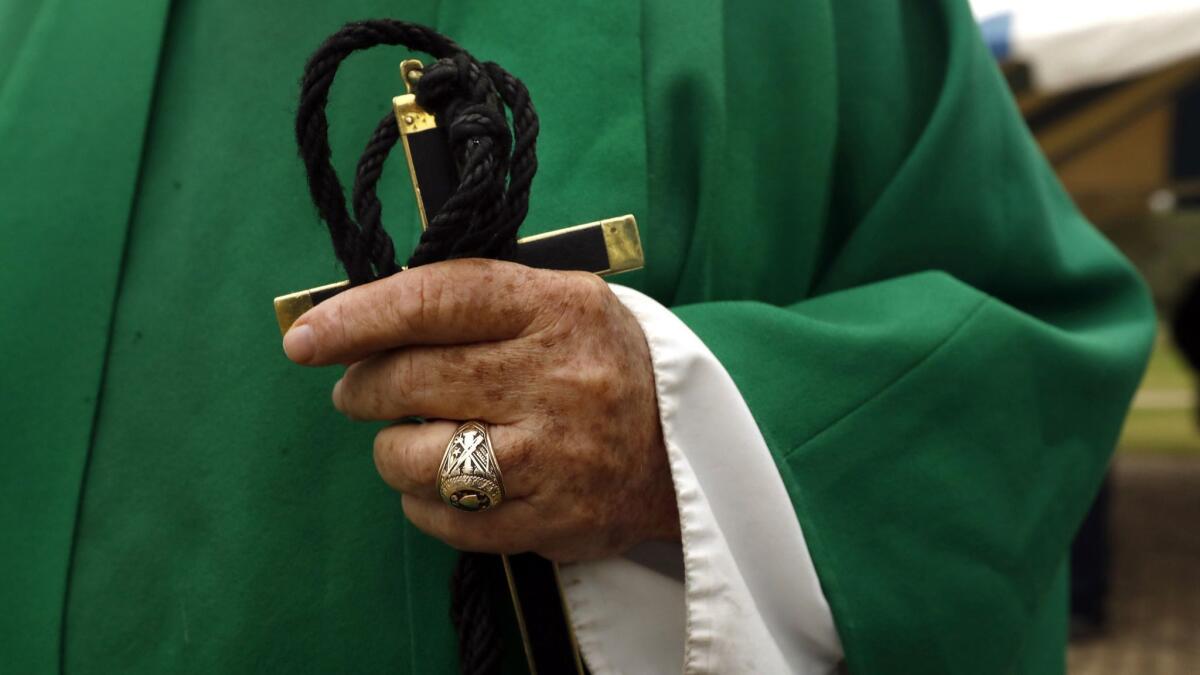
{"x": 552, "y": 361}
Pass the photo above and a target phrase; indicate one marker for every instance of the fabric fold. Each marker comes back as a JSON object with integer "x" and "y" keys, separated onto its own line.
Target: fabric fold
{"x": 749, "y": 600}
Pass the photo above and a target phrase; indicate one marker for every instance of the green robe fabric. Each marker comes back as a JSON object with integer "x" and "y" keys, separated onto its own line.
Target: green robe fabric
{"x": 839, "y": 198}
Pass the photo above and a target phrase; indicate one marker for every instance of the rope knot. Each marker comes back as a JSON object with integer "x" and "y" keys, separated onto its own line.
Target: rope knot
{"x": 450, "y": 84}
{"x": 478, "y": 122}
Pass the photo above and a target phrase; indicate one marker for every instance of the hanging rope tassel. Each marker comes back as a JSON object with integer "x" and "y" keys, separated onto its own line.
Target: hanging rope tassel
{"x": 496, "y": 167}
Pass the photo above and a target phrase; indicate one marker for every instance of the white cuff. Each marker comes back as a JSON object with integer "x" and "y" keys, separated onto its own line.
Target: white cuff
{"x": 745, "y": 597}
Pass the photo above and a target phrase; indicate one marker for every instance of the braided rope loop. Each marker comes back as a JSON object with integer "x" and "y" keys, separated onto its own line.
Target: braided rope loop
{"x": 469, "y": 100}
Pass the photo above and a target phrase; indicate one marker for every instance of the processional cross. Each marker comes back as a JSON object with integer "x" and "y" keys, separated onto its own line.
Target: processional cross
{"x": 603, "y": 247}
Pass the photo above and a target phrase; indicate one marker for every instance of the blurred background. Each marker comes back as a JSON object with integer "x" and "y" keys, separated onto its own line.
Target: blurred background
{"x": 1111, "y": 91}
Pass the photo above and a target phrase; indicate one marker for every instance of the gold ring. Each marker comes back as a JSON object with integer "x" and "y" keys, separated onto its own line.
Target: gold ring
{"x": 469, "y": 478}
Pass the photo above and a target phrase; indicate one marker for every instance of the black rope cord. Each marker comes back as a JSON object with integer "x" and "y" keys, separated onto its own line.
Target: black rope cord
{"x": 480, "y": 219}
{"x": 496, "y": 167}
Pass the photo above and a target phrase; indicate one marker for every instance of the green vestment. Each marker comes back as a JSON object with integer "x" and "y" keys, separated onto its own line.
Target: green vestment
{"x": 838, "y": 197}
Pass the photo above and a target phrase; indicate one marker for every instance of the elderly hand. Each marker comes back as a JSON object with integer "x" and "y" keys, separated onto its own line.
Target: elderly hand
{"x": 552, "y": 361}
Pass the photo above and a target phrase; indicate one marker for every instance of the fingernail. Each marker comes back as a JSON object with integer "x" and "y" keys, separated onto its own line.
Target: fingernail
{"x": 299, "y": 344}
{"x": 337, "y": 394}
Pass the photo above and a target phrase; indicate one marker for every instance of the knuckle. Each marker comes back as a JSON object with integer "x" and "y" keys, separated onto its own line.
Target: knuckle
{"x": 594, "y": 379}
{"x": 426, "y": 295}
{"x": 593, "y": 283}
{"x": 431, "y": 295}
{"x": 406, "y": 301}
{"x": 591, "y": 291}
{"x": 586, "y": 382}
{"x": 334, "y": 324}
{"x": 404, "y": 376}
{"x": 574, "y": 303}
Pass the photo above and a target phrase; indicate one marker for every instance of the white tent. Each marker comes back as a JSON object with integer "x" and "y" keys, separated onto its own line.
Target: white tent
{"x": 1073, "y": 43}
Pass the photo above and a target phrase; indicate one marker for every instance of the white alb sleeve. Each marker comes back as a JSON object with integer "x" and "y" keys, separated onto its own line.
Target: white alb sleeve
{"x": 741, "y": 594}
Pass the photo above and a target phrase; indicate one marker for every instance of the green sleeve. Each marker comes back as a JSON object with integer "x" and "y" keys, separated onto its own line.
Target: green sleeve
{"x": 944, "y": 391}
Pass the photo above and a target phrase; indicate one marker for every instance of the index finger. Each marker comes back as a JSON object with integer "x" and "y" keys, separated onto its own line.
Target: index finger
{"x": 452, "y": 302}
